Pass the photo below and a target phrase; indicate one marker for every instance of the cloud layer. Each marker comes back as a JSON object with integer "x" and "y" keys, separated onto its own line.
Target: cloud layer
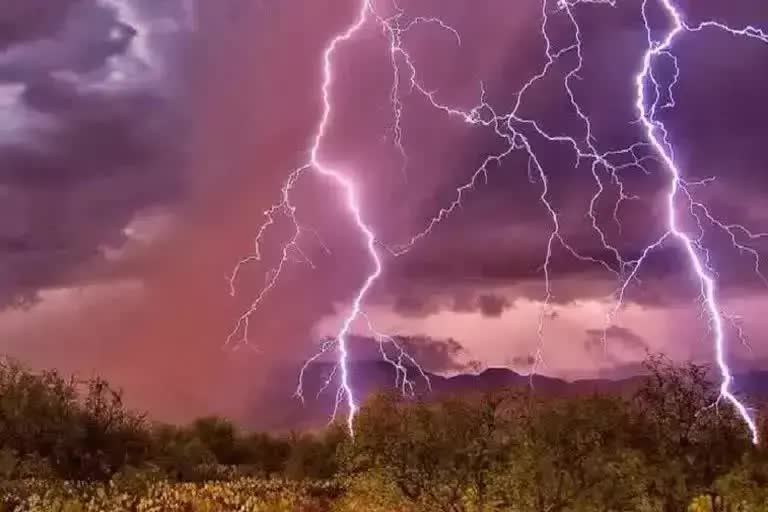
{"x": 142, "y": 141}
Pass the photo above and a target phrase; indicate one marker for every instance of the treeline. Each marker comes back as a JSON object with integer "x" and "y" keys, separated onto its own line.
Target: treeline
{"x": 675, "y": 444}
{"x": 52, "y": 426}
{"x": 671, "y": 446}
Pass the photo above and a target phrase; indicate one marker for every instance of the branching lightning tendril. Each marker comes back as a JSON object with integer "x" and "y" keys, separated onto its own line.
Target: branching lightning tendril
{"x": 519, "y": 134}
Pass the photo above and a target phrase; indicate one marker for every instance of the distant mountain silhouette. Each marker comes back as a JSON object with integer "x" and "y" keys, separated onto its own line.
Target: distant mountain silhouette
{"x": 371, "y": 377}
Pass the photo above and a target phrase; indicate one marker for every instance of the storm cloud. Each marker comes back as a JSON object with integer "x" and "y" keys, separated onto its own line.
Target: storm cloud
{"x": 142, "y": 140}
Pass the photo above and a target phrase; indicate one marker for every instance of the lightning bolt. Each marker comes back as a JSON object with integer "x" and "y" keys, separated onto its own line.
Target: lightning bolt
{"x": 656, "y": 133}
{"x": 285, "y": 207}
{"x": 519, "y": 134}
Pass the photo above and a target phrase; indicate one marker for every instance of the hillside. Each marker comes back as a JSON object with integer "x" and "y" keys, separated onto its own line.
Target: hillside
{"x": 370, "y": 377}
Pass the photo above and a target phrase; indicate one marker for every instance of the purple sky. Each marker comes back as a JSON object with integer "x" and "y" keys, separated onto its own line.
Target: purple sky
{"x": 141, "y": 141}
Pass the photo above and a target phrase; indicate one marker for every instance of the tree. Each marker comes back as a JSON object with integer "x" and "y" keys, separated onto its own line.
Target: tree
{"x": 267, "y": 454}
{"x": 109, "y": 436}
{"x": 221, "y": 437}
{"x": 573, "y": 455}
{"x": 38, "y": 412}
{"x": 314, "y": 457}
{"x": 688, "y": 434}
{"x": 439, "y": 455}
{"x": 81, "y": 436}
{"x": 743, "y": 489}
{"x": 179, "y": 453}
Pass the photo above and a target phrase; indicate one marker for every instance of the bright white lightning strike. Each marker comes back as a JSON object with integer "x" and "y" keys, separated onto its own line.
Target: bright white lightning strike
{"x": 653, "y": 128}
{"x": 285, "y": 207}
{"x": 519, "y": 134}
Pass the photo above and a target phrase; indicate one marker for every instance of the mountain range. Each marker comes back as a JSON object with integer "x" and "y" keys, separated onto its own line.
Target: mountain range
{"x": 371, "y": 377}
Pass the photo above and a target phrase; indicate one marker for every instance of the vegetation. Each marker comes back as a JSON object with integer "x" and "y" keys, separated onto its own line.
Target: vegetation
{"x": 69, "y": 446}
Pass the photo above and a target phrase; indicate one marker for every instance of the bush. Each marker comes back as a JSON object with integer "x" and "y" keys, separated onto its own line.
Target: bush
{"x": 664, "y": 449}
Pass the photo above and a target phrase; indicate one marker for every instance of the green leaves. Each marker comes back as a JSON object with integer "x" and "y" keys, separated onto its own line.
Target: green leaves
{"x": 50, "y": 426}
{"x": 517, "y": 451}
{"x": 669, "y": 448}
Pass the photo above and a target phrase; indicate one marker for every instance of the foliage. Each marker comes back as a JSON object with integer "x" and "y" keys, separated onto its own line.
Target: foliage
{"x": 69, "y": 446}
{"x": 689, "y": 437}
{"x": 242, "y": 495}
{"x": 314, "y": 457}
{"x": 440, "y": 453}
{"x": 574, "y": 455}
{"x": 46, "y": 425}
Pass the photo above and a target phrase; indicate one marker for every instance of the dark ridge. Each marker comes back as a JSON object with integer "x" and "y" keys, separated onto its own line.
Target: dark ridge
{"x": 374, "y": 376}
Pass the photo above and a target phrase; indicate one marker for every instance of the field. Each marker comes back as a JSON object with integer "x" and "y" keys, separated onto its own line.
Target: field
{"x": 246, "y": 495}
{"x": 242, "y": 495}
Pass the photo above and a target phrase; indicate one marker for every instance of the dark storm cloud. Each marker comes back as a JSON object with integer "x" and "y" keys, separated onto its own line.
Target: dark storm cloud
{"x": 433, "y": 355}
{"x": 626, "y": 338}
{"x": 414, "y": 305}
{"x": 498, "y": 237}
{"x": 422, "y": 302}
{"x": 615, "y": 346}
{"x": 92, "y": 153}
{"x": 425, "y": 284}
{"x": 497, "y": 241}
{"x": 75, "y": 192}
{"x": 492, "y": 305}
{"x": 95, "y": 157}
{"x": 27, "y": 20}
{"x": 85, "y": 36}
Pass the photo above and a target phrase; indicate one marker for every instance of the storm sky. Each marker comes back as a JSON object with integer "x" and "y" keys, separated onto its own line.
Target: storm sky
{"x": 142, "y": 140}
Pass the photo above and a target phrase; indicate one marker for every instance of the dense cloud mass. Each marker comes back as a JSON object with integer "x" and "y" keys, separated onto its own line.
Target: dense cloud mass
{"x": 89, "y": 143}
{"x": 439, "y": 356}
{"x": 24, "y": 20}
{"x": 142, "y": 140}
